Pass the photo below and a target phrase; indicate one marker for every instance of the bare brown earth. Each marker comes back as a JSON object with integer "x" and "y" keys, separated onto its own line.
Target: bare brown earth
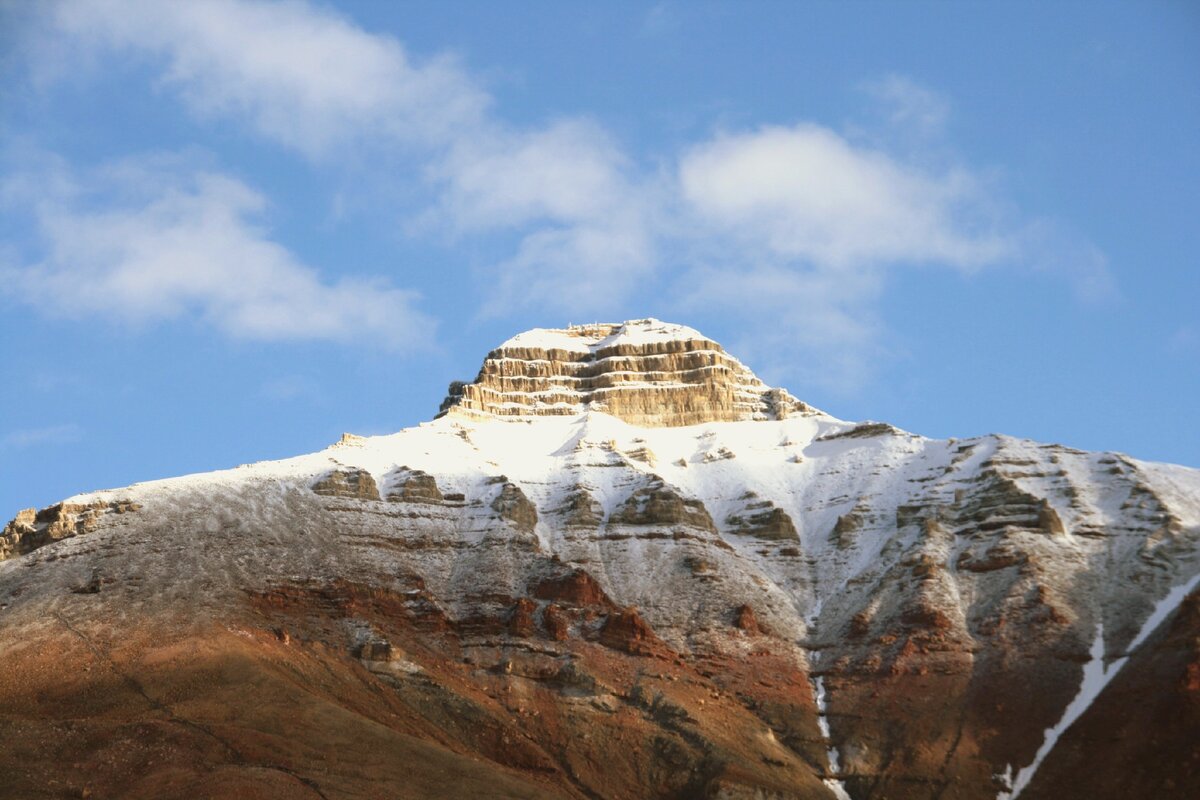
{"x": 280, "y": 705}
{"x": 1141, "y": 738}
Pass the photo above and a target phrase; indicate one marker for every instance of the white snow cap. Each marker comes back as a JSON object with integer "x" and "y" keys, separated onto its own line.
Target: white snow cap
{"x": 599, "y": 335}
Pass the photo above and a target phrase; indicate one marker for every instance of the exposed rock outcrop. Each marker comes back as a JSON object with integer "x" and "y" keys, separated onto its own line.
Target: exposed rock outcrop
{"x": 352, "y": 483}
{"x": 658, "y": 504}
{"x": 763, "y": 520}
{"x": 576, "y": 588}
{"x": 580, "y": 510}
{"x": 645, "y": 372}
{"x": 625, "y": 630}
{"x": 415, "y": 486}
{"x": 512, "y": 505}
{"x": 32, "y": 529}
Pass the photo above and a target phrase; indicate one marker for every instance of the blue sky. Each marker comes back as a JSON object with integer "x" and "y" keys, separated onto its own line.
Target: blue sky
{"x": 232, "y": 230}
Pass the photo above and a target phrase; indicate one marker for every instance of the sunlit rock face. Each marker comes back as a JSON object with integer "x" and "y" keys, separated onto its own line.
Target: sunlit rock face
{"x": 645, "y": 372}
{"x": 619, "y": 566}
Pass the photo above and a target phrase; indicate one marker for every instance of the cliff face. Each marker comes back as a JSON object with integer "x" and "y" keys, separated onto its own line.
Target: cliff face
{"x": 561, "y": 603}
{"x": 645, "y": 372}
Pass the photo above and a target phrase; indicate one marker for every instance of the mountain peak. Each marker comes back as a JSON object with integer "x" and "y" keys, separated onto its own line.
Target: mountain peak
{"x": 602, "y": 335}
{"x": 646, "y": 372}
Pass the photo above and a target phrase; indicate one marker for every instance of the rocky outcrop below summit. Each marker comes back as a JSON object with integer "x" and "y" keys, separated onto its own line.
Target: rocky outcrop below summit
{"x": 356, "y": 483}
{"x": 32, "y": 529}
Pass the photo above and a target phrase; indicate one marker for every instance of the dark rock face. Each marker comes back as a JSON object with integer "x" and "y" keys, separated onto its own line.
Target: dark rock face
{"x": 416, "y": 486}
{"x": 998, "y": 556}
{"x": 658, "y": 504}
{"x": 865, "y": 430}
{"x": 556, "y": 623}
{"x": 576, "y": 588}
{"x": 521, "y": 621}
{"x": 581, "y": 510}
{"x": 352, "y": 483}
{"x": 744, "y": 619}
{"x": 377, "y": 651}
{"x": 1141, "y": 737}
{"x": 764, "y": 522}
{"x": 512, "y": 505}
{"x": 626, "y": 631}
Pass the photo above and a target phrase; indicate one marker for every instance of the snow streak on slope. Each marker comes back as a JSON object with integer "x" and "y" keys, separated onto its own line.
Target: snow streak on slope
{"x": 834, "y": 783}
{"x": 1097, "y": 676}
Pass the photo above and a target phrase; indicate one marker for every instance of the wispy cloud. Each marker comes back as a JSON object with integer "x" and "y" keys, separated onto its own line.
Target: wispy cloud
{"x": 146, "y": 240}
{"x": 660, "y": 19}
{"x": 907, "y": 105}
{"x": 807, "y": 193}
{"x": 801, "y": 211}
{"x": 42, "y": 437}
{"x": 1048, "y": 248}
{"x": 585, "y": 217}
{"x": 289, "y": 388}
{"x": 798, "y": 229}
{"x": 819, "y": 327}
{"x": 309, "y": 79}
{"x": 1185, "y": 340}
{"x": 298, "y": 73}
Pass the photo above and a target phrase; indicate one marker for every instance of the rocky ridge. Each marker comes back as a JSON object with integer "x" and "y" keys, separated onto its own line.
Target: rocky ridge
{"x": 645, "y": 372}
{"x": 545, "y": 600}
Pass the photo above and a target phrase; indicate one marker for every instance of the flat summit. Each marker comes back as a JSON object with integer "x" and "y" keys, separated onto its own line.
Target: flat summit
{"x": 645, "y": 372}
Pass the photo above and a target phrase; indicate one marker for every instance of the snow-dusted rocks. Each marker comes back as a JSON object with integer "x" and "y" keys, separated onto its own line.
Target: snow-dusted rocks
{"x": 645, "y": 372}
{"x": 32, "y": 529}
{"x": 616, "y": 568}
{"x": 348, "y": 483}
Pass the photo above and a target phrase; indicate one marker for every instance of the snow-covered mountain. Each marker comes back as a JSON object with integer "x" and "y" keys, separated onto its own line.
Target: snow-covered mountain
{"x": 616, "y": 565}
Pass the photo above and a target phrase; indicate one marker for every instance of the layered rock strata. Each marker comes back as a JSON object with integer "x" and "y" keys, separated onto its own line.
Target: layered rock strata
{"x": 645, "y": 372}
{"x": 572, "y": 606}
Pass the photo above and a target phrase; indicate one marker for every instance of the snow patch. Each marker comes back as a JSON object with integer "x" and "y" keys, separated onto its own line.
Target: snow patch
{"x": 834, "y": 784}
{"x": 589, "y": 338}
{"x": 1096, "y": 676}
{"x": 838, "y": 788}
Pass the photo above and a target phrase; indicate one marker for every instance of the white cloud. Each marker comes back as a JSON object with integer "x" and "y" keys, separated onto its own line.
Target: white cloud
{"x": 40, "y": 437}
{"x": 167, "y": 242}
{"x": 568, "y": 171}
{"x": 580, "y": 269}
{"x": 288, "y": 388}
{"x": 806, "y": 193}
{"x": 816, "y": 326}
{"x": 909, "y": 106}
{"x": 586, "y": 223}
{"x": 801, "y": 228}
{"x": 302, "y": 75}
{"x": 802, "y": 211}
{"x": 310, "y": 80}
